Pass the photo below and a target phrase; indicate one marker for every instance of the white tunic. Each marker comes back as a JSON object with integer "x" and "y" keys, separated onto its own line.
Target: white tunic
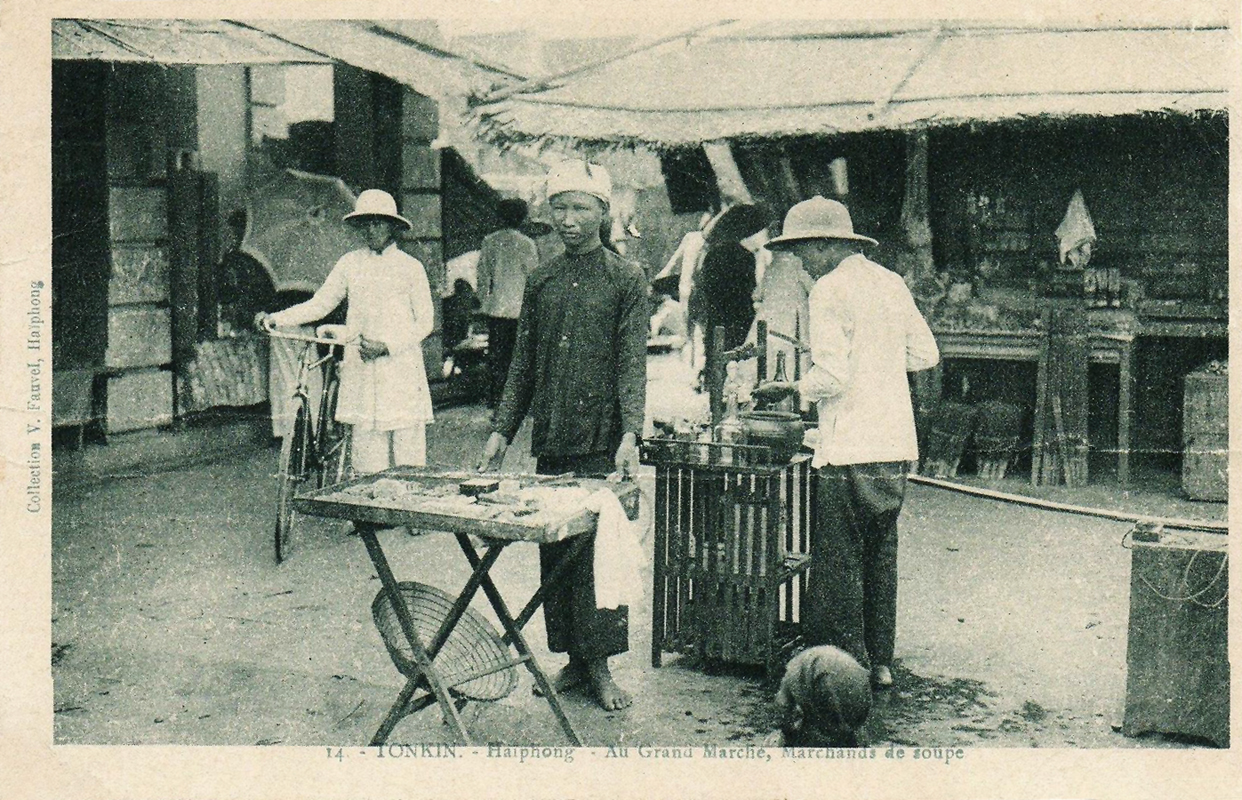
{"x": 866, "y": 333}
{"x": 390, "y": 302}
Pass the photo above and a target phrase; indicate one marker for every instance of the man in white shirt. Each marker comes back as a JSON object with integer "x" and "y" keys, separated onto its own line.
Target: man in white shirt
{"x": 506, "y": 258}
{"x": 865, "y": 333}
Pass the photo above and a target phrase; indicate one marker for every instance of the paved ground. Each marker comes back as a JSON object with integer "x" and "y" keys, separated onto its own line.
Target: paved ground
{"x": 173, "y": 625}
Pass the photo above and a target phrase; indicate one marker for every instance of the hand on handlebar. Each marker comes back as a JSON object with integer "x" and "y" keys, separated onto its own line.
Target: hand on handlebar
{"x": 371, "y": 349}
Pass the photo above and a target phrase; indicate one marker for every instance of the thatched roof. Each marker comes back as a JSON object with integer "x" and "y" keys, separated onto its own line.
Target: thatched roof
{"x": 407, "y": 52}
{"x": 172, "y": 42}
{"x": 743, "y": 80}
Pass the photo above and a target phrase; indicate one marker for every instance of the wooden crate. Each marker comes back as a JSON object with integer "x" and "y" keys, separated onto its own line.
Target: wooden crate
{"x": 732, "y": 552}
{"x": 1177, "y": 656}
{"x": 139, "y": 399}
{"x": 1205, "y": 437}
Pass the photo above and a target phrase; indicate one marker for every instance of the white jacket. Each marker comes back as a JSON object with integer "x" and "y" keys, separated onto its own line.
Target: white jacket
{"x": 866, "y": 333}
{"x": 390, "y": 302}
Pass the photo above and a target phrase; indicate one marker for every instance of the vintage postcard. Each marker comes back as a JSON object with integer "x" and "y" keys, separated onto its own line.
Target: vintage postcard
{"x": 522, "y": 399}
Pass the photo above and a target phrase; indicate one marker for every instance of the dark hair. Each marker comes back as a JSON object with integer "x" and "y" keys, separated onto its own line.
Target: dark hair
{"x": 237, "y": 220}
{"x": 512, "y": 212}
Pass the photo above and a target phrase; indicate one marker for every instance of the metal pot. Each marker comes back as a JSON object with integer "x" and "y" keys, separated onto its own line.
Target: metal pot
{"x": 779, "y": 431}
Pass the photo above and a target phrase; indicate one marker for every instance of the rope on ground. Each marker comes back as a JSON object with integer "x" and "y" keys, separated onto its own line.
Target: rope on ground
{"x": 1067, "y": 508}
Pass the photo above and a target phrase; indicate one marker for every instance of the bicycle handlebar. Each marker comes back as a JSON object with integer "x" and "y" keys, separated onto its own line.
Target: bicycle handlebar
{"x": 324, "y": 334}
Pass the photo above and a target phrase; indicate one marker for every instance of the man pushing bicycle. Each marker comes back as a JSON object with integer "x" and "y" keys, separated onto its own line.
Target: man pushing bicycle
{"x": 384, "y": 395}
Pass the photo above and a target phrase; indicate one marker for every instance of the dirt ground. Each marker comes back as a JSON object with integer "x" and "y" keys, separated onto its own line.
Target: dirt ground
{"x": 173, "y": 625}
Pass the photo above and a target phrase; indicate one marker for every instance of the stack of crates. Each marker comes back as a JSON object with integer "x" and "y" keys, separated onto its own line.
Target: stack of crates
{"x": 1205, "y": 435}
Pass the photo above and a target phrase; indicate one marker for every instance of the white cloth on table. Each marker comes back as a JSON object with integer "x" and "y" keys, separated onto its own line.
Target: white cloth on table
{"x": 618, "y": 557}
{"x": 866, "y": 334}
{"x": 390, "y": 302}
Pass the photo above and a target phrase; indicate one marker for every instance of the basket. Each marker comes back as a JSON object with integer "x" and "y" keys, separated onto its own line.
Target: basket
{"x": 474, "y": 663}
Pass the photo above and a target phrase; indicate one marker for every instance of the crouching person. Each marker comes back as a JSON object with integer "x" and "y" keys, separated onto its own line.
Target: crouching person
{"x": 824, "y": 699}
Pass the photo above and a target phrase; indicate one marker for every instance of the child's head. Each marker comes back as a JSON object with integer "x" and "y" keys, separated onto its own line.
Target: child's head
{"x": 512, "y": 212}
{"x": 824, "y": 699}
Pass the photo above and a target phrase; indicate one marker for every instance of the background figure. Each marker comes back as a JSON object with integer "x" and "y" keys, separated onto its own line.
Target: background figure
{"x": 457, "y": 310}
{"x": 824, "y": 699}
{"x": 782, "y": 302}
{"x": 244, "y": 286}
{"x": 724, "y": 291}
{"x": 506, "y": 258}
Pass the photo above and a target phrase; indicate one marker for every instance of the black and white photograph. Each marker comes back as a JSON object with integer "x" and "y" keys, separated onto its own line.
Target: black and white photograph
{"x": 827, "y": 398}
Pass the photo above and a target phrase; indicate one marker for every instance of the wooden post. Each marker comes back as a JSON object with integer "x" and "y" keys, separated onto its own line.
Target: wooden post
{"x": 761, "y": 354}
{"x": 715, "y": 374}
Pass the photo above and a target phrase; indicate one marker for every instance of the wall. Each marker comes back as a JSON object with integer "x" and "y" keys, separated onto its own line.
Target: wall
{"x": 419, "y": 197}
{"x": 222, "y": 115}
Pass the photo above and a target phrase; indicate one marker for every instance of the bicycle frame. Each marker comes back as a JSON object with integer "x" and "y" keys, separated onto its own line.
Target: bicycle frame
{"x": 318, "y": 432}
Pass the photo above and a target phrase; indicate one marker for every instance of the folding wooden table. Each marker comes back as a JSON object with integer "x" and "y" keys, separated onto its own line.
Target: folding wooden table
{"x": 370, "y": 515}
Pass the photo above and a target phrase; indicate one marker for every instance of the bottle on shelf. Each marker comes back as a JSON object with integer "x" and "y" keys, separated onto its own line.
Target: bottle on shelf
{"x": 730, "y": 428}
{"x": 789, "y": 403}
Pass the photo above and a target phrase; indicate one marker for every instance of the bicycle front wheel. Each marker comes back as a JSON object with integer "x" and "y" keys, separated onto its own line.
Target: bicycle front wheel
{"x": 333, "y": 439}
{"x": 294, "y": 472}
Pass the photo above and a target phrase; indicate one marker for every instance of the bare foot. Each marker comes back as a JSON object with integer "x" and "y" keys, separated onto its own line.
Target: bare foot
{"x": 608, "y": 694}
{"x": 571, "y": 676}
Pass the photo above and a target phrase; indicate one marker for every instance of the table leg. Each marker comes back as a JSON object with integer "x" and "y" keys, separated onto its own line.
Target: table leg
{"x": 395, "y": 714}
{"x": 367, "y": 533}
{"x": 513, "y": 634}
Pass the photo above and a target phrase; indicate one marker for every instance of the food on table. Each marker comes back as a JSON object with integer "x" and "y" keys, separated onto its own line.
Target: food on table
{"x": 477, "y": 486}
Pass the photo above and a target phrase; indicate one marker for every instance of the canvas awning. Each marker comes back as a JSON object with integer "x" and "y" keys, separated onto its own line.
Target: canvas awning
{"x": 744, "y": 80}
{"x": 173, "y": 42}
{"x": 406, "y": 51}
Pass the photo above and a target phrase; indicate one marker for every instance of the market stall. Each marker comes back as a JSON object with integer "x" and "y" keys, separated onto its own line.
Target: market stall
{"x": 419, "y": 622}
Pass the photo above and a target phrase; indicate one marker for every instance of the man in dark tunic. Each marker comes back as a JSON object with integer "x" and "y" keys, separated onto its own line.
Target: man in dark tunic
{"x": 580, "y": 370}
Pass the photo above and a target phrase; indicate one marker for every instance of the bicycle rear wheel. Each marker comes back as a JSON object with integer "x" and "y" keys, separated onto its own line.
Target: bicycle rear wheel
{"x": 294, "y": 472}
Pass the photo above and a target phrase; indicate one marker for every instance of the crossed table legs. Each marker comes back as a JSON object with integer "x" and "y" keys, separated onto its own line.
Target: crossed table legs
{"x": 428, "y": 678}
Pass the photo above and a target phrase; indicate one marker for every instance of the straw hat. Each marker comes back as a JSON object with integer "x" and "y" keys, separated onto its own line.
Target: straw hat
{"x": 817, "y": 218}
{"x": 377, "y": 203}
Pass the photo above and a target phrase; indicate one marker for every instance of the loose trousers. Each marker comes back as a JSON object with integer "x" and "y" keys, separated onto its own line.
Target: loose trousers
{"x": 851, "y": 600}
{"x": 376, "y": 451}
{"x": 574, "y": 624}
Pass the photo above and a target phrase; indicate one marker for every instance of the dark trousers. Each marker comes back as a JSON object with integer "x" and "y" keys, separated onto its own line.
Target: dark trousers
{"x": 501, "y": 336}
{"x": 851, "y": 599}
{"x": 574, "y": 624}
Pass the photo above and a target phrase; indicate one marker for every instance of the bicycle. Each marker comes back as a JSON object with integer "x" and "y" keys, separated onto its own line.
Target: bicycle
{"x": 318, "y": 452}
